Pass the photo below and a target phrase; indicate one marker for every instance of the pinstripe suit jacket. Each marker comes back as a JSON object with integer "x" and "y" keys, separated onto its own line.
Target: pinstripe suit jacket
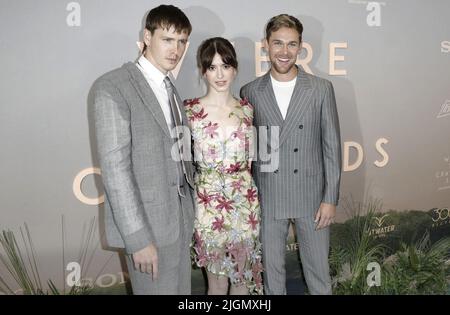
{"x": 306, "y": 158}
{"x": 139, "y": 176}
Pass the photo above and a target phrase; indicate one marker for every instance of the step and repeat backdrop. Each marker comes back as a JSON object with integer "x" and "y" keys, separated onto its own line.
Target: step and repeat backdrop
{"x": 389, "y": 62}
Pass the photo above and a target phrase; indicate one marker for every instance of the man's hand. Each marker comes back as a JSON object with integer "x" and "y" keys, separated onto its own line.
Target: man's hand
{"x": 146, "y": 260}
{"x": 325, "y": 215}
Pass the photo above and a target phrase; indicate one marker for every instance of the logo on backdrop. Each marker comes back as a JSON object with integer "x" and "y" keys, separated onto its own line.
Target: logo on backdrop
{"x": 373, "y": 279}
{"x": 74, "y": 17}
{"x": 380, "y": 220}
{"x": 380, "y": 226}
{"x": 373, "y": 18}
{"x": 77, "y": 183}
{"x": 262, "y": 63}
{"x": 445, "y": 46}
{"x": 440, "y": 216}
{"x": 349, "y": 164}
{"x": 443, "y": 175}
{"x": 303, "y": 59}
{"x": 74, "y": 278}
{"x": 358, "y": 150}
{"x": 291, "y": 247}
{"x": 445, "y": 109}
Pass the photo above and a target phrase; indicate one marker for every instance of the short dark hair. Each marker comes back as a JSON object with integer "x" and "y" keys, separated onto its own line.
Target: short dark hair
{"x": 210, "y": 47}
{"x": 284, "y": 20}
{"x": 166, "y": 16}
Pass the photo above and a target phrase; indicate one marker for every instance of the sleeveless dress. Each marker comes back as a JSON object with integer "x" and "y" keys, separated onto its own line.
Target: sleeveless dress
{"x": 226, "y": 238}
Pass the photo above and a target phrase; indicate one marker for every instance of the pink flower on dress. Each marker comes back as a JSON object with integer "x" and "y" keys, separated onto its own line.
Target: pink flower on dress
{"x": 202, "y": 258}
{"x": 258, "y": 280}
{"x": 214, "y": 256}
{"x": 224, "y": 204}
{"x": 200, "y": 250}
{"x": 233, "y": 168}
{"x": 238, "y": 252}
{"x": 245, "y": 102}
{"x": 257, "y": 268}
{"x": 251, "y": 195}
{"x": 204, "y": 198}
{"x": 252, "y": 220}
{"x": 198, "y": 115}
{"x": 191, "y": 102}
{"x": 218, "y": 224}
{"x": 198, "y": 239}
{"x": 212, "y": 153}
{"x": 210, "y": 129}
{"x": 248, "y": 121}
{"x": 239, "y": 134}
{"x": 237, "y": 185}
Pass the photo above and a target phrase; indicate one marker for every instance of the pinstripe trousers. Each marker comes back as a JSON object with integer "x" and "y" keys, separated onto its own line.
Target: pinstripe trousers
{"x": 174, "y": 263}
{"x": 314, "y": 249}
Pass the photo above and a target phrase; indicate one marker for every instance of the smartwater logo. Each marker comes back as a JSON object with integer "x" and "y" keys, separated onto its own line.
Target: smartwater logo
{"x": 381, "y": 229}
{"x": 380, "y": 220}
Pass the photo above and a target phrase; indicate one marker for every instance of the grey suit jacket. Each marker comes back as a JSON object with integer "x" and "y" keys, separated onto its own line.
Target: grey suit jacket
{"x": 139, "y": 176}
{"x": 308, "y": 149}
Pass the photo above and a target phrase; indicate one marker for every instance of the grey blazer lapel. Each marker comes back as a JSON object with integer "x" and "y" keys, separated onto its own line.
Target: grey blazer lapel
{"x": 269, "y": 104}
{"x": 147, "y": 95}
{"x": 299, "y": 103}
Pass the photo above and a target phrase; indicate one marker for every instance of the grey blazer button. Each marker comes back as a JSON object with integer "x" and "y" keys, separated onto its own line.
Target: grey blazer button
{"x": 276, "y": 171}
{"x": 301, "y": 126}
{"x": 295, "y": 171}
{"x": 296, "y": 150}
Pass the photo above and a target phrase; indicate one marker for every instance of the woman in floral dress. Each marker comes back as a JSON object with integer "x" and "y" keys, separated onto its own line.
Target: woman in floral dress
{"x": 226, "y": 239}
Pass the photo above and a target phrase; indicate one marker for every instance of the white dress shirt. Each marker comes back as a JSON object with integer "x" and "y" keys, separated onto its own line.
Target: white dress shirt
{"x": 283, "y": 93}
{"x": 155, "y": 79}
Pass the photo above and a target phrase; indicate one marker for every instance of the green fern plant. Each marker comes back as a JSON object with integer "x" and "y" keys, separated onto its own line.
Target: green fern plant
{"x": 420, "y": 268}
{"x": 349, "y": 258}
{"x": 23, "y": 271}
{"x": 22, "y": 266}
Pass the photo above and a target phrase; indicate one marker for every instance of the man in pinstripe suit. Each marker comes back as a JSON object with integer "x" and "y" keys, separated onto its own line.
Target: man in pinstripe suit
{"x": 297, "y": 112}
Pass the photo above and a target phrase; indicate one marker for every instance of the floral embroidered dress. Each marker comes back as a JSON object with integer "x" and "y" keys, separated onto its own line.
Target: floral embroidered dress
{"x": 226, "y": 239}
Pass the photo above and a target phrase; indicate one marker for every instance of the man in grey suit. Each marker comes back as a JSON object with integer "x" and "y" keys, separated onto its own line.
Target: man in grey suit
{"x": 146, "y": 175}
{"x": 297, "y": 112}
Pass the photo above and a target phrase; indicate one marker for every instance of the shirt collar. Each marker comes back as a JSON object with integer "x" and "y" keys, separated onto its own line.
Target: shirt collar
{"x": 152, "y": 72}
{"x": 283, "y": 83}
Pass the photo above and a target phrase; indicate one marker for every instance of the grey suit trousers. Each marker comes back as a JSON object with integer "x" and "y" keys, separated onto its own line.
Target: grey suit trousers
{"x": 314, "y": 249}
{"x": 174, "y": 263}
